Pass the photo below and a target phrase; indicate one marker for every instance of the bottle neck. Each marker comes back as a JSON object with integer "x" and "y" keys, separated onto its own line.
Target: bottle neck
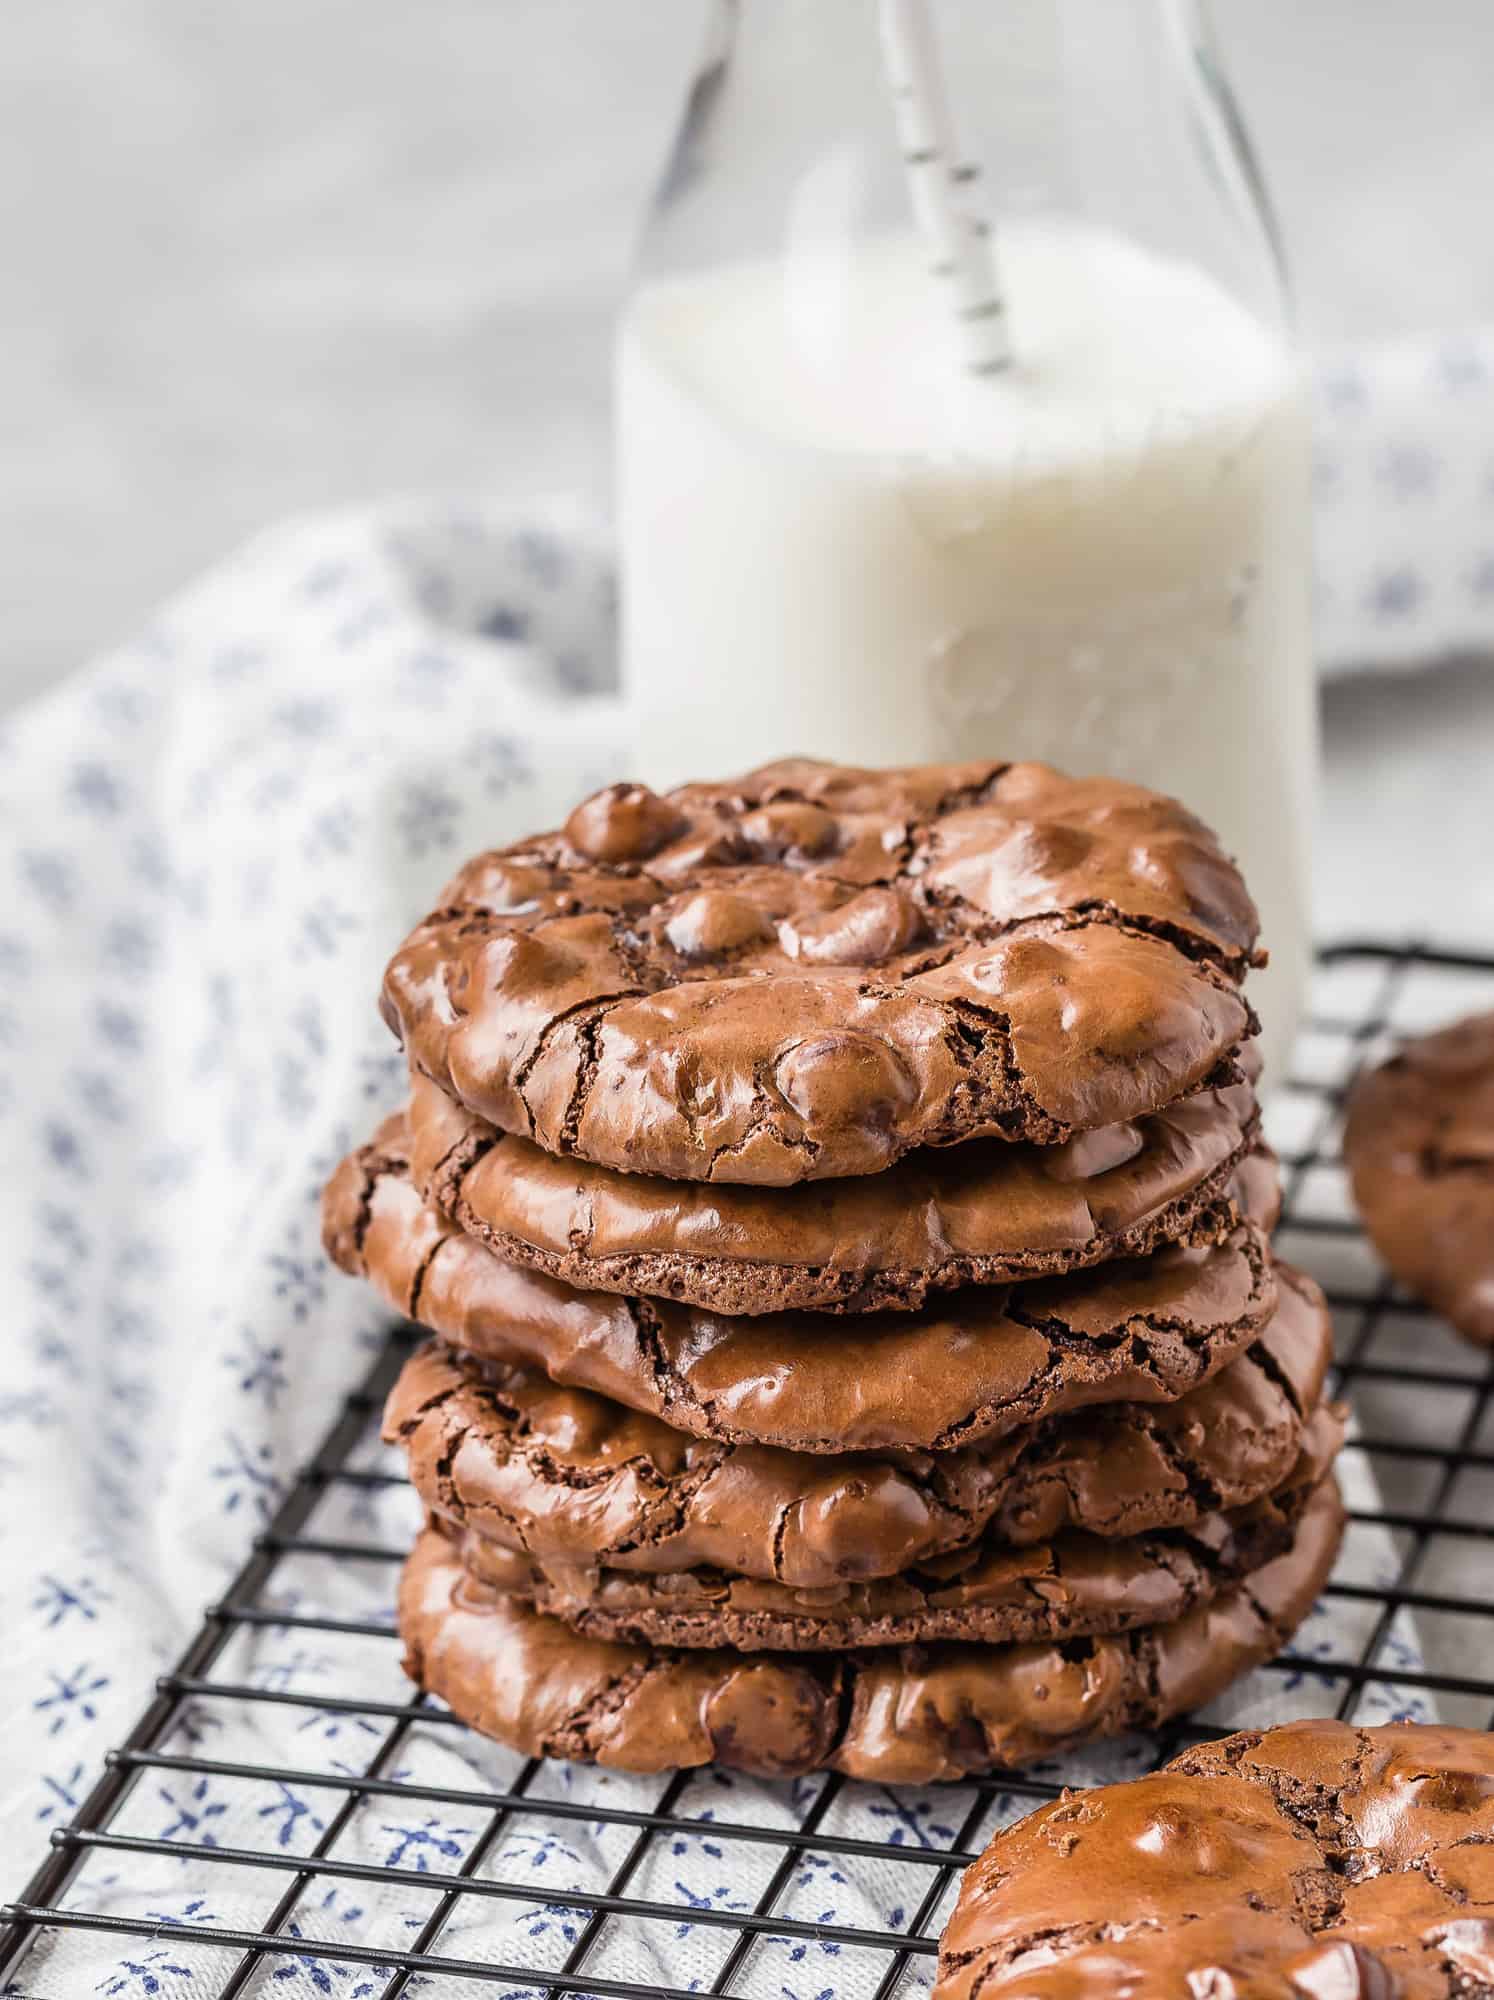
{"x": 1116, "y": 113}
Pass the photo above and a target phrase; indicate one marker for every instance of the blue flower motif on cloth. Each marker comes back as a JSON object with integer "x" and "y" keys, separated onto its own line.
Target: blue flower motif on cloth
{"x": 413, "y": 1846}
{"x": 800, "y": 1948}
{"x": 286, "y": 1811}
{"x": 124, "y": 704}
{"x": 1408, "y": 471}
{"x": 51, "y": 879}
{"x": 63, "y": 1149}
{"x": 194, "y": 1912}
{"x": 306, "y": 719}
{"x": 819, "y": 1868}
{"x": 328, "y": 1975}
{"x": 1398, "y": 1651}
{"x": 426, "y": 818}
{"x": 258, "y": 1366}
{"x": 696, "y": 1843}
{"x": 1345, "y": 390}
{"x": 61, "y": 1795}
{"x": 331, "y": 832}
{"x": 321, "y": 930}
{"x": 129, "y": 1325}
{"x": 717, "y": 1898}
{"x": 96, "y": 789}
{"x": 59, "y": 1227}
{"x": 194, "y": 1723}
{"x": 912, "y": 1820}
{"x": 71, "y": 1698}
{"x": 192, "y": 1813}
{"x": 562, "y": 1918}
{"x": 497, "y": 762}
{"x": 505, "y": 621}
{"x": 131, "y": 947}
{"x": 156, "y": 1972}
{"x": 300, "y": 1281}
{"x": 1304, "y": 1652}
{"x": 345, "y": 1910}
{"x": 49, "y": 1347}
{"x": 58, "y": 1602}
{"x": 381, "y": 1073}
{"x": 540, "y": 1849}
{"x": 1395, "y": 593}
{"x": 1462, "y": 366}
{"x": 120, "y": 1027}
{"x": 57, "y": 1284}
{"x": 100, "y": 1095}
{"x": 29, "y": 1406}
{"x": 542, "y": 558}
{"x": 247, "y": 1477}
{"x": 332, "y": 1725}
{"x": 131, "y": 1396}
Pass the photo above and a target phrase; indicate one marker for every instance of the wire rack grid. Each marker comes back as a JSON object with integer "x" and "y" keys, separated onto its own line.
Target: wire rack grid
{"x": 460, "y": 1903}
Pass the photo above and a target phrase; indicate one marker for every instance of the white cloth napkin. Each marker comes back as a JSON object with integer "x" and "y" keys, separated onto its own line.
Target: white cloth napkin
{"x": 1404, "y": 501}
{"x": 211, "y": 841}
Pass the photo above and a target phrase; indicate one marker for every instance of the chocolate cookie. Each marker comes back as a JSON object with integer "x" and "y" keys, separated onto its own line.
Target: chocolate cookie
{"x": 1312, "y": 1862}
{"x": 566, "y": 1476}
{"x": 976, "y": 1214}
{"x": 1073, "y": 1587}
{"x": 1419, "y": 1143}
{"x": 810, "y": 970}
{"x": 901, "y": 1715}
{"x": 986, "y": 1361}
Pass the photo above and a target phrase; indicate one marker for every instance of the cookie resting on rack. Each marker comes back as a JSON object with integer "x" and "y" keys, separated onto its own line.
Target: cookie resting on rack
{"x": 895, "y": 1715}
{"x": 1419, "y": 1142}
{"x": 1314, "y": 1861}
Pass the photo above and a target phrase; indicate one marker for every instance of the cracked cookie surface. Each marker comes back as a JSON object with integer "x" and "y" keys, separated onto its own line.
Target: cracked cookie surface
{"x": 895, "y": 1715}
{"x": 1419, "y": 1144}
{"x": 1315, "y": 1861}
{"x": 1075, "y": 1586}
{"x": 983, "y": 1362}
{"x": 567, "y": 1476}
{"x": 980, "y": 1213}
{"x": 808, "y": 971}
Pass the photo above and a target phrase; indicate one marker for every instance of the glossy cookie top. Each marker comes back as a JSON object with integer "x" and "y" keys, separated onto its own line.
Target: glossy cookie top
{"x": 984, "y": 1361}
{"x": 980, "y": 1213}
{"x": 1310, "y": 1861}
{"x": 808, "y": 971}
{"x": 568, "y": 1476}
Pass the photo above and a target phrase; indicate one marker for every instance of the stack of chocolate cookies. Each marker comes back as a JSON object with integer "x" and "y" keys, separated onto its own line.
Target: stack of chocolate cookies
{"x": 837, "y": 1203}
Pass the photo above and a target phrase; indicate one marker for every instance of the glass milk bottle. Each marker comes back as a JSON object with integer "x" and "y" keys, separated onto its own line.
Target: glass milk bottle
{"x": 956, "y": 418}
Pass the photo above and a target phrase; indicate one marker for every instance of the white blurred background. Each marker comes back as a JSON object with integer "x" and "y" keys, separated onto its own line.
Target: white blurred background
{"x": 257, "y": 259}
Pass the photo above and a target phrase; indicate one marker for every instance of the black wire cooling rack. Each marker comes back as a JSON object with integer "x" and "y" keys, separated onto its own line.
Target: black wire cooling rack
{"x": 1425, "y": 1430}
